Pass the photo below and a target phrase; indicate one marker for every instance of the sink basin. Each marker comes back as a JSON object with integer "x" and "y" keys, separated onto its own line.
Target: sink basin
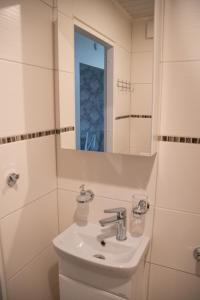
{"x": 98, "y": 247}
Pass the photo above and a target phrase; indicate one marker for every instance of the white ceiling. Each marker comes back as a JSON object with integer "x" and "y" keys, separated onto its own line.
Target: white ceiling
{"x": 138, "y": 8}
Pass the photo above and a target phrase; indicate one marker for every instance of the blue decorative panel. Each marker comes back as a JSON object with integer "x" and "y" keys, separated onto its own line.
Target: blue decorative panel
{"x": 91, "y": 108}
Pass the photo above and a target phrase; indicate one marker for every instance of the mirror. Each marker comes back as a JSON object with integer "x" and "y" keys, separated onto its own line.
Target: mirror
{"x": 106, "y": 75}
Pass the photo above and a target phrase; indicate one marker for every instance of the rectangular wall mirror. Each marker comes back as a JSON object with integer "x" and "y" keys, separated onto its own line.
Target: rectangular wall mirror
{"x": 107, "y": 69}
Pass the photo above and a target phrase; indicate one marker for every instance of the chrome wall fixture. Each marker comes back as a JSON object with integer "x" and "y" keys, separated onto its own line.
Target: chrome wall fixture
{"x": 12, "y": 179}
{"x": 196, "y": 254}
{"x": 124, "y": 85}
{"x": 120, "y": 219}
{"x": 141, "y": 209}
{"x": 85, "y": 195}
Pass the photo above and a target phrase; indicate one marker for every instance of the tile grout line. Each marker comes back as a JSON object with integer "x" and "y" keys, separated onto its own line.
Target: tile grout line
{"x": 55, "y": 69}
{"x": 49, "y": 5}
{"x": 180, "y": 61}
{"x": 96, "y": 195}
{"x": 27, "y": 64}
{"x": 178, "y": 211}
{"x": 144, "y": 51}
{"x": 28, "y": 203}
{"x": 162, "y": 11}
{"x": 171, "y": 268}
{"x": 29, "y": 262}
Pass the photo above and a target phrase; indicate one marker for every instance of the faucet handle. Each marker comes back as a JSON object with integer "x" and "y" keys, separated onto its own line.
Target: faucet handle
{"x": 120, "y": 211}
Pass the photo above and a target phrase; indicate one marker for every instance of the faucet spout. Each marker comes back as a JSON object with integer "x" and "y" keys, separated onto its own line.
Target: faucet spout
{"x": 119, "y": 219}
{"x": 109, "y": 220}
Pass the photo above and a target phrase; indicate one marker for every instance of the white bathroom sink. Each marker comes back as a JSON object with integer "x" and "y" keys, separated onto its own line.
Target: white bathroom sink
{"x": 96, "y": 246}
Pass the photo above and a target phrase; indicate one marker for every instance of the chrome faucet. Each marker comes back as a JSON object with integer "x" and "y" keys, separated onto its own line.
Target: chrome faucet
{"x": 119, "y": 219}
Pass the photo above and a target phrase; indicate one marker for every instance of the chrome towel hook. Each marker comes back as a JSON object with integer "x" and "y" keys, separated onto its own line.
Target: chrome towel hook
{"x": 196, "y": 254}
{"x": 12, "y": 179}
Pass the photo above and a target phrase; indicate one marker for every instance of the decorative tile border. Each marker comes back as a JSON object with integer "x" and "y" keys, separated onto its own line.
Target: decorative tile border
{"x": 134, "y": 116}
{"x": 141, "y": 116}
{"x": 33, "y": 135}
{"x": 122, "y": 117}
{"x": 179, "y": 139}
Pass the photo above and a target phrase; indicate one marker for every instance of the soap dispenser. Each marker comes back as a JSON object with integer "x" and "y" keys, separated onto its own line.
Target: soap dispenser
{"x": 82, "y": 210}
{"x": 85, "y": 195}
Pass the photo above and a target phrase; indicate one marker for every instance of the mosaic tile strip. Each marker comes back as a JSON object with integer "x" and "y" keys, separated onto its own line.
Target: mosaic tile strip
{"x": 33, "y": 135}
{"x": 134, "y": 116}
{"x": 141, "y": 116}
{"x": 122, "y": 117}
{"x": 179, "y": 139}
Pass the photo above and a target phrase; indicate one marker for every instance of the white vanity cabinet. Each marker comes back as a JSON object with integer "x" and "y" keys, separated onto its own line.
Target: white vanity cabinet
{"x": 90, "y": 271}
{"x": 75, "y": 290}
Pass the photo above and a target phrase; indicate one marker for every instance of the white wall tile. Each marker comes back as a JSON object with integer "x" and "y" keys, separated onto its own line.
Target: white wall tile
{"x": 38, "y": 280}
{"x": 68, "y": 140}
{"x": 141, "y": 99}
{"x": 26, "y": 232}
{"x": 139, "y": 41}
{"x": 170, "y": 284}
{"x": 122, "y": 63}
{"x": 181, "y": 30}
{"x": 67, "y": 206}
{"x": 180, "y": 99}
{"x": 34, "y": 160}
{"x": 29, "y": 24}
{"x": 122, "y": 103}
{"x": 102, "y": 15}
{"x": 65, "y": 43}
{"x": 3, "y": 289}
{"x": 65, "y": 7}
{"x": 70, "y": 210}
{"x": 26, "y": 99}
{"x": 146, "y": 281}
{"x": 175, "y": 236}
{"x": 49, "y": 2}
{"x": 140, "y": 138}
{"x": 108, "y": 175}
{"x": 121, "y": 136}
{"x": 178, "y": 177}
{"x": 142, "y": 67}
{"x": 152, "y": 183}
{"x": 66, "y": 99}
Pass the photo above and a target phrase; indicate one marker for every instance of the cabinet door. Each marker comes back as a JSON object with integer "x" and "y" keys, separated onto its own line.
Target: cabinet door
{"x": 74, "y": 290}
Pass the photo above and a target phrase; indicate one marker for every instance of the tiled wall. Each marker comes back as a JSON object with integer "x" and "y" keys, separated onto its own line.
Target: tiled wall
{"x": 28, "y": 212}
{"x": 142, "y": 79}
{"x": 177, "y": 219}
{"x": 113, "y": 178}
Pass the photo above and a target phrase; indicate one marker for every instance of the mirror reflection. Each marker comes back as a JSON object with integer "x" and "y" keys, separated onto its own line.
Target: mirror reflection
{"x": 90, "y": 72}
{"x": 111, "y": 45}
